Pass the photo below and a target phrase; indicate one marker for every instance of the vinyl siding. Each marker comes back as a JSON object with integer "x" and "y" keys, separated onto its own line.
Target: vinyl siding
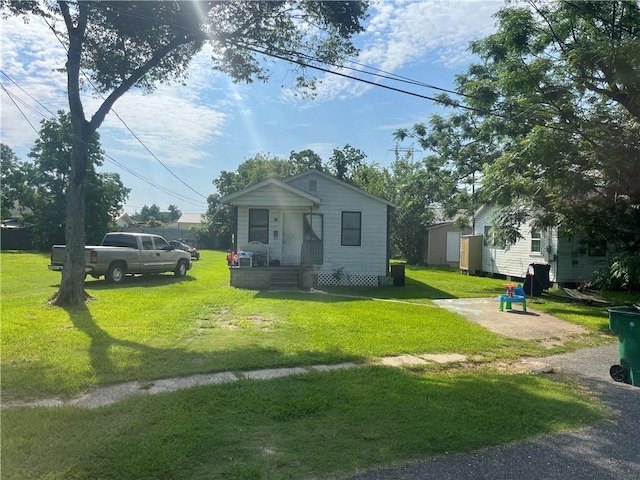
{"x": 368, "y": 258}
{"x": 515, "y": 260}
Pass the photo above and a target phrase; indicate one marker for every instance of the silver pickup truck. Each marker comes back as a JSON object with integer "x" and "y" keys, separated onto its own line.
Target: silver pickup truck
{"x": 127, "y": 253}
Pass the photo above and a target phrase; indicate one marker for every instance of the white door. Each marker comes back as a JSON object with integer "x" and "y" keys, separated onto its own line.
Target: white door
{"x": 291, "y": 238}
{"x": 453, "y": 247}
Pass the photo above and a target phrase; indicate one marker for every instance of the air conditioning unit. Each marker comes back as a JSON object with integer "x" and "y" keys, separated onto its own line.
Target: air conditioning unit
{"x": 244, "y": 261}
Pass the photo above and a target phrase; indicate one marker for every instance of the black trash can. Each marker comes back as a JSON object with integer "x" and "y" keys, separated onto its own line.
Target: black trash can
{"x": 537, "y": 279}
{"x": 397, "y": 273}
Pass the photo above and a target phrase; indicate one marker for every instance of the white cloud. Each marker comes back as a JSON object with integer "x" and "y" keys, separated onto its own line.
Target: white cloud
{"x": 174, "y": 122}
{"x": 404, "y": 32}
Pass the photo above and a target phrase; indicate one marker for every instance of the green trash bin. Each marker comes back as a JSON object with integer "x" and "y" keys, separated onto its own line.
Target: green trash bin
{"x": 625, "y": 322}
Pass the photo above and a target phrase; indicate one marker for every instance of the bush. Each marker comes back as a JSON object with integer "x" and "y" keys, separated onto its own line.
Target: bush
{"x": 622, "y": 274}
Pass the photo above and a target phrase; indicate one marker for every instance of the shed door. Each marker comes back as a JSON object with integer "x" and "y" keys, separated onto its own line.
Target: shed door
{"x": 291, "y": 238}
{"x": 453, "y": 247}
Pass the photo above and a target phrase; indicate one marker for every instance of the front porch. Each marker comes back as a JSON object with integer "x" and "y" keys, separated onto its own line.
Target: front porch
{"x": 273, "y": 278}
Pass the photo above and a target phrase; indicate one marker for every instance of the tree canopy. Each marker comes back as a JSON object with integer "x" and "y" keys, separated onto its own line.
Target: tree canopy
{"x": 41, "y": 184}
{"x": 550, "y": 123}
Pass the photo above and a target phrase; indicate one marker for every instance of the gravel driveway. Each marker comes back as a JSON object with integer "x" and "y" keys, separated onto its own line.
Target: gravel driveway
{"x": 608, "y": 450}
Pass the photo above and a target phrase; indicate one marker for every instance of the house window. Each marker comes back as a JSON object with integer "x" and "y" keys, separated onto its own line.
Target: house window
{"x": 536, "y": 241}
{"x": 597, "y": 248}
{"x": 487, "y": 240}
{"x": 313, "y": 185}
{"x": 351, "y": 228}
{"x": 259, "y": 225}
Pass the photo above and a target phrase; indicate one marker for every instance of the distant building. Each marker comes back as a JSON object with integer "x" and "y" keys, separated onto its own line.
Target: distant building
{"x": 187, "y": 220}
{"x": 124, "y": 221}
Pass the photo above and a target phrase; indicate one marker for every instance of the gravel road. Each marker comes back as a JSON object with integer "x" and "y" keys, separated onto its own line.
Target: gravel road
{"x": 608, "y": 450}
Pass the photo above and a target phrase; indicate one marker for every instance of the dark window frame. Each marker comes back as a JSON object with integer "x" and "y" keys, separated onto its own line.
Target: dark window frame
{"x": 258, "y": 229}
{"x": 350, "y": 230}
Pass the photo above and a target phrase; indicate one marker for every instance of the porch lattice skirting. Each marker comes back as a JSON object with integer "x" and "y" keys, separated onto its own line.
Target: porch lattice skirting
{"x": 363, "y": 280}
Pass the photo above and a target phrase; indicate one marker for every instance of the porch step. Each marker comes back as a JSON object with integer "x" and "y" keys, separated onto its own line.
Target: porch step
{"x": 284, "y": 280}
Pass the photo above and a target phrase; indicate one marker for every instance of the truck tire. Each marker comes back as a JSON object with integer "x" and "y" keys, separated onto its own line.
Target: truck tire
{"x": 181, "y": 268}
{"x": 116, "y": 273}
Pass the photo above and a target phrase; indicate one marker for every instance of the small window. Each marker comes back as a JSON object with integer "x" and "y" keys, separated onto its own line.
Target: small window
{"x": 351, "y": 228}
{"x": 313, "y": 185}
{"x": 536, "y": 241}
{"x": 487, "y": 240}
{"x": 147, "y": 243}
{"x": 161, "y": 244}
{"x": 259, "y": 225}
{"x": 597, "y": 248}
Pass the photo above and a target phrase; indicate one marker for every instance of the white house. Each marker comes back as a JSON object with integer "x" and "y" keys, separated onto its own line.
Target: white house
{"x": 327, "y": 230}
{"x": 124, "y": 220}
{"x": 571, "y": 261}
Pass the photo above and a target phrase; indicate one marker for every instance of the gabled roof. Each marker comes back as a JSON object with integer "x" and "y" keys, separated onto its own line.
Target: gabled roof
{"x": 339, "y": 182}
{"x": 270, "y": 181}
{"x": 124, "y": 217}
{"x": 190, "y": 218}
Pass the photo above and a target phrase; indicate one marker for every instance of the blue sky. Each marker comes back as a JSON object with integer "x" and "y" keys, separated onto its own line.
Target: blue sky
{"x": 209, "y": 125}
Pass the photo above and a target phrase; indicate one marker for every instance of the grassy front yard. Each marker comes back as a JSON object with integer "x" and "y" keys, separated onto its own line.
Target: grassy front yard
{"x": 323, "y": 425}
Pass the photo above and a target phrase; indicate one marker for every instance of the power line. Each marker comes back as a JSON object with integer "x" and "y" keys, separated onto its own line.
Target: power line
{"x": 15, "y": 99}
{"x": 121, "y": 120}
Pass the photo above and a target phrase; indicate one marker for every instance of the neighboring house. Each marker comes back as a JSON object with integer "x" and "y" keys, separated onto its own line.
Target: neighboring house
{"x": 571, "y": 261}
{"x": 442, "y": 244}
{"x": 329, "y": 232}
{"x": 124, "y": 220}
{"x": 16, "y": 214}
{"x": 188, "y": 220}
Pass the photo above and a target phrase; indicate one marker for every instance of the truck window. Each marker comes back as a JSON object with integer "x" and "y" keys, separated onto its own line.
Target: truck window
{"x": 117, "y": 240}
{"x": 147, "y": 243}
{"x": 161, "y": 244}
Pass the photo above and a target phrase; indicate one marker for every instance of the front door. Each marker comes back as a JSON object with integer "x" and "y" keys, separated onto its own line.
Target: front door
{"x": 291, "y": 238}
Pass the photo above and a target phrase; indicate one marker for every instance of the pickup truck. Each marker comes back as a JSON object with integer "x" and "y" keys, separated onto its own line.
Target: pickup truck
{"x": 124, "y": 254}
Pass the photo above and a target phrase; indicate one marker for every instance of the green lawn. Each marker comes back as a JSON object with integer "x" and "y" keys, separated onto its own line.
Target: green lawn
{"x": 317, "y": 426}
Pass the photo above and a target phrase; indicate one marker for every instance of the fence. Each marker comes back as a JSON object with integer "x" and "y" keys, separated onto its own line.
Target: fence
{"x": 16, "y": 239}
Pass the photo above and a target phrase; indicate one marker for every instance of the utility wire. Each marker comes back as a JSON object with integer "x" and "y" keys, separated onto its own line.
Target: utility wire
{"x": 15, "y": 99}
{"x": 120, "y": 118}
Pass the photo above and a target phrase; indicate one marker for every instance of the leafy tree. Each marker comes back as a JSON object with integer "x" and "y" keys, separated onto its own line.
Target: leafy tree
{"x": 174, "y": 214}
{"x": 147, "y": 212}
{"x": 14, "y": 180}
{"x": 137, "y": 44}
{"x": 215, "y": 224}
{"x": 49, "y": 181}
{"x": 306, "y": 160}
{"x": 459, "y": 147}
{"x": 344, "y": 162}
{"x": 414, "y": 206}
{"x": 559, "y": 94}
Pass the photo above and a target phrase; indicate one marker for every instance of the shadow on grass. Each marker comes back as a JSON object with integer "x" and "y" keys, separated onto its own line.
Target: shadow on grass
{"x": 413, "y": 290}
{"x": 145, "y": 281}
{"x": 311, "y": 426}
{"x": 118, "y": 360}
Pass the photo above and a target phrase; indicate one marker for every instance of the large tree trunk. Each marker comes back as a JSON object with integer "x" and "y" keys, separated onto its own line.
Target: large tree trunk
{"x": 71, "y": 290}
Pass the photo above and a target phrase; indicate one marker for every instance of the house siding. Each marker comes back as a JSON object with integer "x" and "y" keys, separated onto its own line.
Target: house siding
{"x": 514, "y": 260}
{"x": 368, "y": 258}
{"x": 568, "y": 261}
